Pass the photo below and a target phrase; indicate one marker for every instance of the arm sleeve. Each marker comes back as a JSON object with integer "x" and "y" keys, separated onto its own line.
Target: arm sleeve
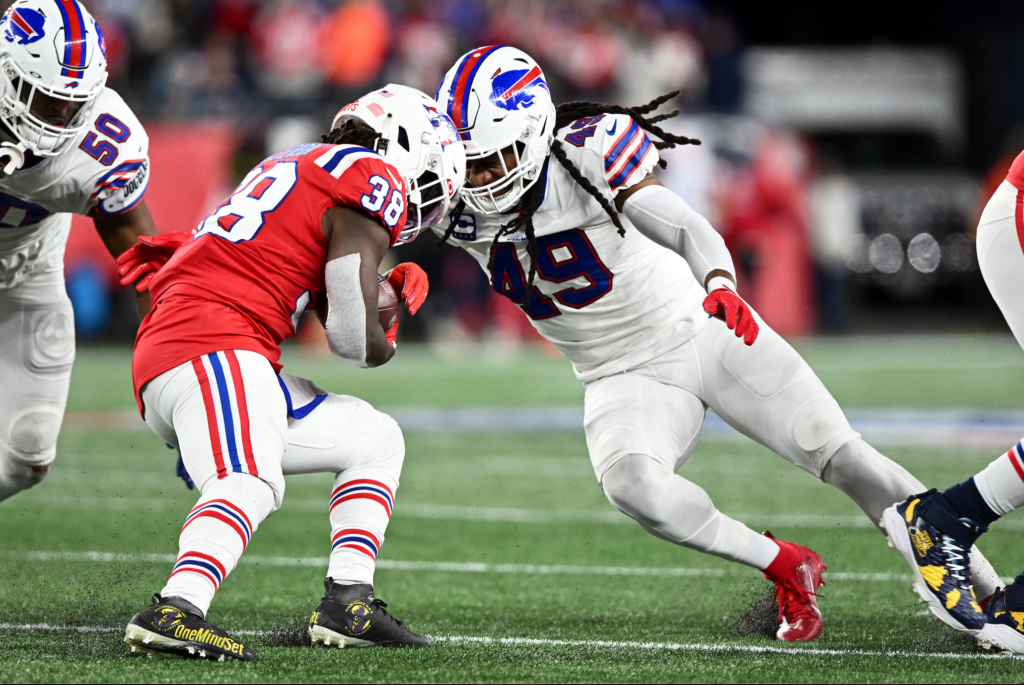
{"x": 665, "y": 218}
{"x": 346, "y": 313}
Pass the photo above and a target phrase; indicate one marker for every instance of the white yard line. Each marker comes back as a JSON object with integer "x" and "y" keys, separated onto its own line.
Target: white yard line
{"x": 606, "y": 644}
{"x": 447, "y": 566}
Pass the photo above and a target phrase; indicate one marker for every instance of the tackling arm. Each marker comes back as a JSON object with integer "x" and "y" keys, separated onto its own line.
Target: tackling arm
{"x": 356, "y": 246}
{"x": 120, "y": 231}
{"x": 665, "y": 218}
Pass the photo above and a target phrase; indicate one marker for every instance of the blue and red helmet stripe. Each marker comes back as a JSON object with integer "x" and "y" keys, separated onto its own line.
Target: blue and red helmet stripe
{"x": 458, "y": 95}
{"x": 74, "y": 38}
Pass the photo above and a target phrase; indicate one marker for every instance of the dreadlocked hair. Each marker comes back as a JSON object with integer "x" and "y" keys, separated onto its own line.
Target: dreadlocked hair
{"x": 351, "y": 132}
{"x": 453, "y": 220}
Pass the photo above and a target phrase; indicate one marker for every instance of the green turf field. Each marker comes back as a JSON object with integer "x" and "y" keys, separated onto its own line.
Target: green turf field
{"x": 502, "y": 546}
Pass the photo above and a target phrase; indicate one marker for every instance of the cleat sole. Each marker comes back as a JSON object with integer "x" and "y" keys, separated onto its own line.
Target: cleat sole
{"x": 896, "y": 532}
{"x": 327, "y": 637}
{"x": 1002, "y": 637}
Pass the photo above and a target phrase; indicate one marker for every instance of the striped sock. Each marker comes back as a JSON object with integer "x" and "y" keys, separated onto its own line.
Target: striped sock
{"x": 215, "y": 534}
{"x": 1001, "y": 483}
{"x": 360, "y": 509}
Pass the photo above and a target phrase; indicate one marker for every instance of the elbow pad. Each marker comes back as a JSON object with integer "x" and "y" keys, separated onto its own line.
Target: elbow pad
{"x": 666, "y": 219}
{"x": 346, "y": 313}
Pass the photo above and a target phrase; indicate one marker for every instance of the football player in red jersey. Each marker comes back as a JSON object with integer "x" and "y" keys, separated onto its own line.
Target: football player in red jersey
{"x": 307, "y": 227}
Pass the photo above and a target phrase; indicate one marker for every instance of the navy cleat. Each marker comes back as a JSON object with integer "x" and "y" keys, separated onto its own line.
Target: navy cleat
{"x": 173, "y": 626}
{"x": 936, "y": 545}
{"x": 350, "y": 616}
{"x": 1004, "y": 627}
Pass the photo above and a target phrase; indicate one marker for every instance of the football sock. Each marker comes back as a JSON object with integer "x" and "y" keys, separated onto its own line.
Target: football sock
{"x": 1001, "y": 483}
{"x": 215, "y": 534}
{"x": 965, "y": 500}
{"x": 360, "y": 509}
{"x": 674, "y": 509}
{"x": 869, "y": 478}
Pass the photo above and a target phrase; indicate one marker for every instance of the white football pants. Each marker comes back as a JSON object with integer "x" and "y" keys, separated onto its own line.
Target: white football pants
{"x": 241, "y": 428}
{"x": 643, "y": 424}
{"x": 38, "y": 348}
{"x": 1000, "y": 245}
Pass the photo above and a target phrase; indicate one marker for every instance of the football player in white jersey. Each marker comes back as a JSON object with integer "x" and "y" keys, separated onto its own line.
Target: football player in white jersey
{"x": 563, "y": 212}
{"x": 69, "y": 146}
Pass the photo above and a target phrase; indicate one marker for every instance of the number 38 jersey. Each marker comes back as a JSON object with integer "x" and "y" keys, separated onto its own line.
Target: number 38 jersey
{"x": 106, "y": 169}
{"x": 257, "y": 263}
{"x": 607, "y": 302}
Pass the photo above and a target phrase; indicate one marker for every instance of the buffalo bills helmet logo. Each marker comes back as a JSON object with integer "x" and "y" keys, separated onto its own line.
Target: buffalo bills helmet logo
{"x": 516, "y": 89}
{"x": 23, "y": 25}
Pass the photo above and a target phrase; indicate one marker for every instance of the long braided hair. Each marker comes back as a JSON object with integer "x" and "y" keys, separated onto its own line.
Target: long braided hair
{"x": 566, "y": 114}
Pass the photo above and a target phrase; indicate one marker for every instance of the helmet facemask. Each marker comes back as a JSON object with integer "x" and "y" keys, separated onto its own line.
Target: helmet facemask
{"x": 502, "y": 194}
{"x": 22, "y": 96}
{"x": 428, "y": 202}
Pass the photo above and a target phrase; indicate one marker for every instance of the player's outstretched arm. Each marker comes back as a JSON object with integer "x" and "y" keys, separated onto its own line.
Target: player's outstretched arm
{"x": 356, "y": 245}
{"x": 120, "y": 231}
{"x": 665, "y": 218}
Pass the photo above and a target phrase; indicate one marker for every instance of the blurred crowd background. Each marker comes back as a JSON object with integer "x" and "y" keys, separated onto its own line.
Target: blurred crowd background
{"x": 847, "y": 151}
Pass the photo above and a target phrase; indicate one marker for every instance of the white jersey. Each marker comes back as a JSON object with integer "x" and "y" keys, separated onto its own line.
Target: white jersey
{"x": 106, "y": 168}
{"x": 607, "y": 302}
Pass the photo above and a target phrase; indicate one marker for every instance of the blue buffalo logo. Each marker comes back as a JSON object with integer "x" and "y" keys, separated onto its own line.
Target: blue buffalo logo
{"x": 516, "y": 89}
{"x": 23, "y": 25}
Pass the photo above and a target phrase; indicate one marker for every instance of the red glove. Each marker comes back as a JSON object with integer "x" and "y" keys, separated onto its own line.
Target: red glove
{"x": 392, "y": 334}
{"x": 410, "y": 282}
{"x": 722, "y": 303}
{"x": 140, "y": 262}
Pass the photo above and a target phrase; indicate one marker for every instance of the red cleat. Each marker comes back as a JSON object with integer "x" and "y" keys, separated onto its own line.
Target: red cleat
{"x": 796, "y": 572}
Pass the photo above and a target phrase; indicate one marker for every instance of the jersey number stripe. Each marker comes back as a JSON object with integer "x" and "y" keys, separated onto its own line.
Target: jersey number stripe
{"x": 561, "y": 257}
{"x": 243, "y": 214}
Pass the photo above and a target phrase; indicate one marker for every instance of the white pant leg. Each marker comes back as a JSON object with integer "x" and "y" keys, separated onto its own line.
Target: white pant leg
{"x": 769, "y": 393}
{"x": 1001, "y": 255}
{"x": 365, "y": 448}
{"x": 37, "y": 349}
{"x": 227, "y": 415}
{"x": 639, "y": 431}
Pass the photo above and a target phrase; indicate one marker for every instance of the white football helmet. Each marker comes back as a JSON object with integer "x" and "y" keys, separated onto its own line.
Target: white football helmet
{"x": 498, "y": 98}
{"x": 421, "y": 141}
{"x": 53, "y": 66}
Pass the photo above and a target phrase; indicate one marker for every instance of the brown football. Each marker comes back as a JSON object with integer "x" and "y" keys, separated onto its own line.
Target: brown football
{"x": 387, "y": 304}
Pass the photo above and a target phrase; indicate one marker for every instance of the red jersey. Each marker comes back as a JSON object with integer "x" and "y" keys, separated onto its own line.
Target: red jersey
{"x": 258, "y": 262}
{"x": 1016, "y": 175}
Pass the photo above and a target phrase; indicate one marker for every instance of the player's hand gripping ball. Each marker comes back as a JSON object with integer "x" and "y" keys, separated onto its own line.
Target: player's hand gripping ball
{"x": 411, "y": 282}
{"x": 387, "y": 303}
{"x": 722, "y": 303}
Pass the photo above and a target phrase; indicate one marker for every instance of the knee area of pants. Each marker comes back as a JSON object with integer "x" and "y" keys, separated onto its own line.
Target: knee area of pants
{"x": 633, "y": 479}
{"x": 818, "y": 423}
{"x": 34, "y": 434}
{"x": 25, "y": 475}
{"x": 389, "y": 449}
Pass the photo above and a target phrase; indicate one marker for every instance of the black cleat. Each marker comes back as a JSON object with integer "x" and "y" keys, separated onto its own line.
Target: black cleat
{"x": 174, "y": 626}
{"x": 350, "y": 616}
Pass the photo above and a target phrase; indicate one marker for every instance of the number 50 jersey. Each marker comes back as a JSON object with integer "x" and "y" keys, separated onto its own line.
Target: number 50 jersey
{"x": 607, "y": 302}
{"x": 257, "y": 263}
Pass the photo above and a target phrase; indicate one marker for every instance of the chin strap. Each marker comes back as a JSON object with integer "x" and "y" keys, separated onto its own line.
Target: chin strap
{"x": 15, "y": 155}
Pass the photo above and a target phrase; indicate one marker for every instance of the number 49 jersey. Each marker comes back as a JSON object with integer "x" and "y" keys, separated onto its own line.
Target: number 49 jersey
{"x": 607, "y": 302}
{"x": 257, "y": 263}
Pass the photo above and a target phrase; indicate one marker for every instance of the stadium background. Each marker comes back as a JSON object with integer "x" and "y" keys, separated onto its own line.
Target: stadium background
{"x": 835, "y": 137}
{"x": 832, "y": 141}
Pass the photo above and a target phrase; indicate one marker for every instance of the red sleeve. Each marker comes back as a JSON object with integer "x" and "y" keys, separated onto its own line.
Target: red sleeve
{"x": 375, "y": 187}
{"x": 1016, "y": 174}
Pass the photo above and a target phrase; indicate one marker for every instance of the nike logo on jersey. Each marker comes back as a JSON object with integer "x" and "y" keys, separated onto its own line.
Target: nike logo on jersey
{"x": 615, "y": 125}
